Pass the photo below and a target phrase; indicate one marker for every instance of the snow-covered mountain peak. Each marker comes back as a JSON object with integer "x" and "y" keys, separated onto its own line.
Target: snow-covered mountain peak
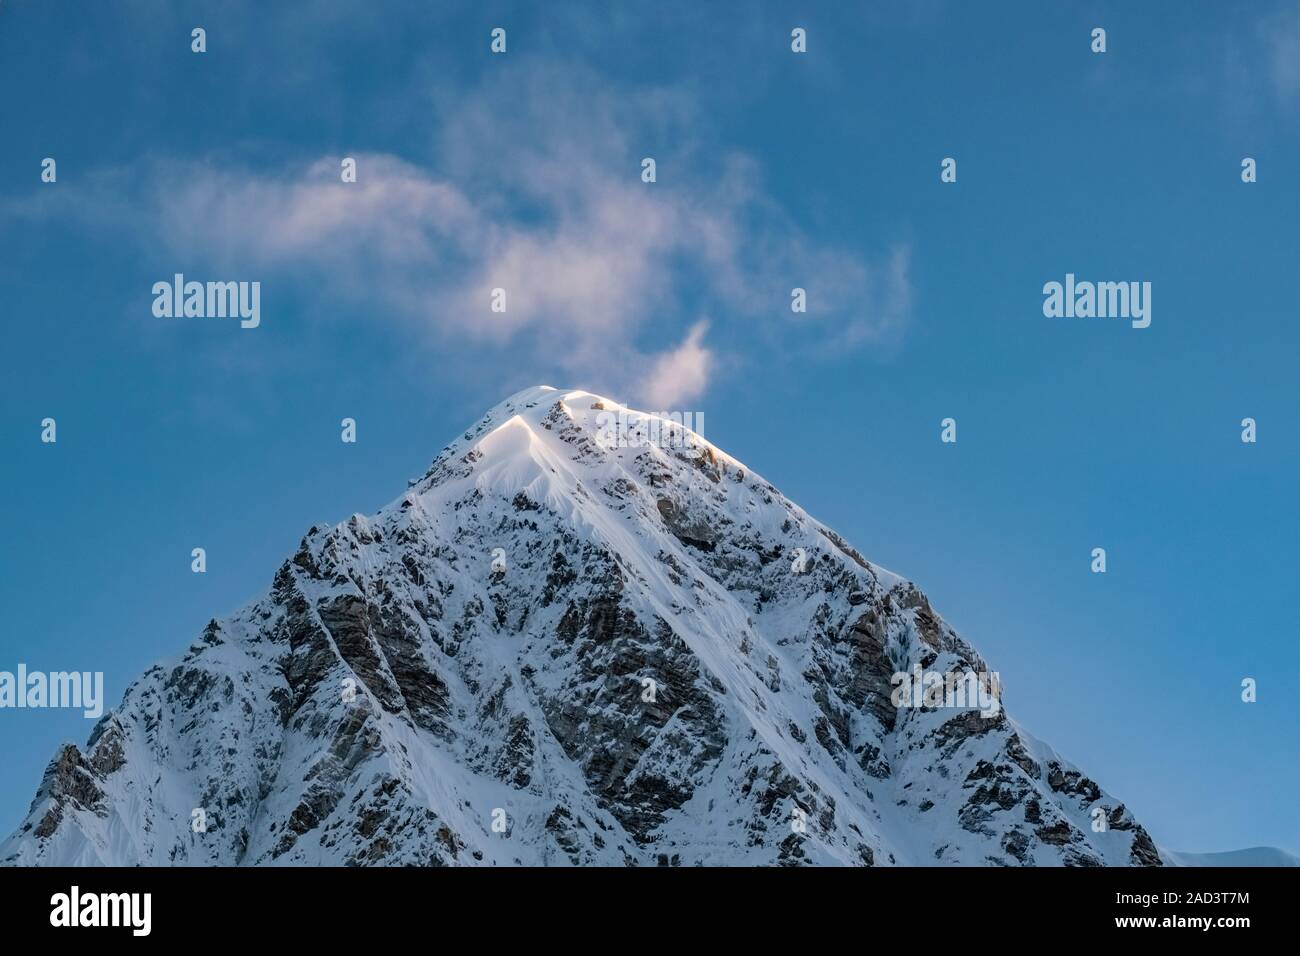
{"x": 584, "y": 635}
{"x": 615, "y": 427}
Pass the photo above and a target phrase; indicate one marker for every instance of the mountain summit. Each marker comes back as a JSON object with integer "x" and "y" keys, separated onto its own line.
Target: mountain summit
{"x": 564, "y": 645}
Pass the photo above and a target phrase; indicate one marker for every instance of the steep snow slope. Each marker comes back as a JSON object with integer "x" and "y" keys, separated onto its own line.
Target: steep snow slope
{"x": 657, "y": 675}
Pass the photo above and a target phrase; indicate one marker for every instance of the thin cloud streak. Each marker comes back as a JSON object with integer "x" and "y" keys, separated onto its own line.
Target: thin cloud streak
{"x": 592, "y": 259}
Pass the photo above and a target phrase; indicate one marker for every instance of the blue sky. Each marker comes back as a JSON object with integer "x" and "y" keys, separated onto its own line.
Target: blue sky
{"x": 774, "y": 170}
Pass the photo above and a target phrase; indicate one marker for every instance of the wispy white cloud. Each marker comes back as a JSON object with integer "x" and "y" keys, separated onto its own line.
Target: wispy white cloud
{"x": 679, "y": 375}
{"x": 537, "y": 192}
{"x": 1284, "y": 42}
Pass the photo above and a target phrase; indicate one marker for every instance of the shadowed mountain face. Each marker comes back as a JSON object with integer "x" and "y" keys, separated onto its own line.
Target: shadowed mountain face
{"x": 666, "y": 662}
